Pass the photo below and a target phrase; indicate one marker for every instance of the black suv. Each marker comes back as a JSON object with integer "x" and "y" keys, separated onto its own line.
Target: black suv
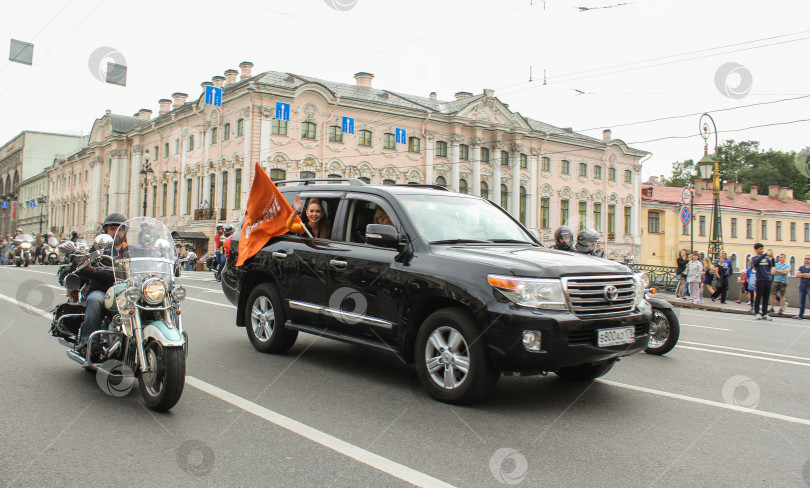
{"x": 454, "y": 284}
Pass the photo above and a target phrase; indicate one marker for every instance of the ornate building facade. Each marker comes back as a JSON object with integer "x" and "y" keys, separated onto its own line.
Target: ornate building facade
{"x": 202, "y": 156}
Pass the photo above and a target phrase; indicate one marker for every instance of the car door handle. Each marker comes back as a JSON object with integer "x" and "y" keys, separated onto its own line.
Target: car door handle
{"x": 279, "y": 255}
{"x": 338, "y": 264}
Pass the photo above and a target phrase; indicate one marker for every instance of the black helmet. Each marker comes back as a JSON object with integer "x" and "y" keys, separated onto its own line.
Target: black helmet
{"x": 115, "y": 218}
{"x": 564, "y": 238}
{"x": 74, "y": 234}
{"x": 228, "y": 229}
{"x": 586, "y": 241}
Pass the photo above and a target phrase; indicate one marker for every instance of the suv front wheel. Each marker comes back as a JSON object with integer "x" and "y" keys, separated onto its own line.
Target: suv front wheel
{"x": 452, "y": 359}
{"x": 264, "y": 320}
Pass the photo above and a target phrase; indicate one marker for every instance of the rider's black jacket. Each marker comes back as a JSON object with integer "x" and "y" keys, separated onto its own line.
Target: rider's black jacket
{"x": 99, "y": 279}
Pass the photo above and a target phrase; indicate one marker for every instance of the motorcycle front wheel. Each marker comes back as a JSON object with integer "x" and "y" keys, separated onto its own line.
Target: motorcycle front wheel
{"x": 162, "y": 385}
{"x": 665, "y": 330}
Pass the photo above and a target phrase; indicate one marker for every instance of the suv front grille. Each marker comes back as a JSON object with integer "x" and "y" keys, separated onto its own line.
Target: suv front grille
{"x": 588, "y": 298}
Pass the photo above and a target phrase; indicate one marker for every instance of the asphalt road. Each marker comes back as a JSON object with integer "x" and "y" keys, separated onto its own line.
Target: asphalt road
{"x": 730, "y": 406}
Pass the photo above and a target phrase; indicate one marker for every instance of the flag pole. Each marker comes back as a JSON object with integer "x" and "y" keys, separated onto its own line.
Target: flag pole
{"x": 304, "y": 225}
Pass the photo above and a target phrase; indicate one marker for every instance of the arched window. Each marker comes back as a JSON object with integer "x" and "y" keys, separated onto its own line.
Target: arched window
{"x": 364, "y": 138}
{"x": 278, "y": 175}
{"x": 306, "y": 174}
{"x": 747, "y": 260}
{"x": 414, "y": 144}
{"x": 212, "y": 190}
{"x": 484, "y": 190}
{"x": 441, "y": 181}
{"x": 505, "y": 197}
{"x": 335, "y": 133}
{"x": 237, "y": 189}
{"x": 733, "y": 261}
{"x": 365, "y": 180}
{"x": 389, "y": 141}
{"x": 307, "y": 130}
{"x": 388, "y": 182}
{"x": 188, "y": 196}
{"x": 226, "y": 132}
{"x": 240, "y": 127}
{"x": 462, "y": 186}
{"x": 484, "y": 155}
{"x": 522, "y": 211}
{"x": 333, "y": 175}
{"x": 792, "y": 265}
{"x": 190, "y": 143}
{"x": 165, "y": 200}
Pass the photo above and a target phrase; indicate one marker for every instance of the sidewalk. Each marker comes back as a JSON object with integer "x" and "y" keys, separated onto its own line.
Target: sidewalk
{"x": 729, "y": 307}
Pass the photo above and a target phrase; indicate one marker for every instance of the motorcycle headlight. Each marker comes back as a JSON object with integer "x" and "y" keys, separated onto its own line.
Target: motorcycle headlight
{"x": 639, "y": 290}
{"x": 133, "y": 294}
{"x": 25, "y": 245}
{"x": 531, "y": 292}
{"x": 153, "y": 291}
{"x": 178, "y": 293}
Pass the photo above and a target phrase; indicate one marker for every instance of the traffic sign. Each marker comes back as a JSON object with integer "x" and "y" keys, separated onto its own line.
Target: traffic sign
{"x": 401, "y": 138}
{"x": 687, "y": 196}
{"x": 348, "y": 125}
{"x": 213, "y": 96}
{"x": 686, "y": 215}
{"x": 3, "y": 204}
{"x": 32, "y": 204}
{"x": 282, "y": 111}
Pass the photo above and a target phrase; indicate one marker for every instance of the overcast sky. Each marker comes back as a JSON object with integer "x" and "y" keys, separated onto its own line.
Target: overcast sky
{"x": 629, "y": 60}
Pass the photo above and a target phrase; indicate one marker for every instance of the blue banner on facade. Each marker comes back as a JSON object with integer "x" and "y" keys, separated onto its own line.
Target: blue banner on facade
{"x": 348, "y": 125}
{"x": 213, "y": 96}
{"x": 282, "y": 111}
{"x": 401, "y": 137}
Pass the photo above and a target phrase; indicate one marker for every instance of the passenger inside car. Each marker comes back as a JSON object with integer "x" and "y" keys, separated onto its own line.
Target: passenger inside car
{"x": 316, "y": 220}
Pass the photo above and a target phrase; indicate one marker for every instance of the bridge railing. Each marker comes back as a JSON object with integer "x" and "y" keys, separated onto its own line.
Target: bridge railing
{"x": 662, "y": 277}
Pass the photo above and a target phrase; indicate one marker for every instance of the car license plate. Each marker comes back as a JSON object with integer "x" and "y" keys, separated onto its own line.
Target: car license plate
{"x": 614, "y": 337}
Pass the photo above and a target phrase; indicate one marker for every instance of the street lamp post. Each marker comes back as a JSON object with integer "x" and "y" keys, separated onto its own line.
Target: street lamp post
{"x": 709, "y": 167}
{"x": 41, "y": 203}
{"x": 145, "y": 172}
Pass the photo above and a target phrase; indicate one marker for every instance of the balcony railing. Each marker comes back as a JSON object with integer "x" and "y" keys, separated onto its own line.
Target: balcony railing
{"x": 662, "y": 277}
{"x": 210, "y": 213}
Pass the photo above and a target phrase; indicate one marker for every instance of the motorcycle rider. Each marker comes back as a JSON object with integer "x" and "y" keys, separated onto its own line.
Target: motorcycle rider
{"x": 226, "y": 249}
{"x": 100, "y": 281}
{"x": 74, "y": 236}
{"x": 563, "y": 238}
{"x": 219, "y": 249}
{"x": 586, "y": 241}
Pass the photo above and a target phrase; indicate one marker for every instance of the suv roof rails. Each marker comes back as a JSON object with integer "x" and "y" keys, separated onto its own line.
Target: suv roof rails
{"x": 309, "y": 181}
{"x": 421, "y": 185}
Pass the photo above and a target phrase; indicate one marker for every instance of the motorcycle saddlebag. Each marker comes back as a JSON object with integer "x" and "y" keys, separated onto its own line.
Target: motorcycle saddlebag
{"x": 68, "y": 326}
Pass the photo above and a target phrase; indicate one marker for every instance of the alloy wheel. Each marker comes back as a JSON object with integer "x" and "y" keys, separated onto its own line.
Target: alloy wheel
{"x": 447, "y": 357}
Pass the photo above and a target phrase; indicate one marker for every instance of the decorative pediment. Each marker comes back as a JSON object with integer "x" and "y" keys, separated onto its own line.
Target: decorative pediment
{"x": 583, "y": 194}
{"x": 490, "y": 109}
{"x": 102, "y": 128}
{"x": 566, "y": 193}
{"x": 414, "y": 176}
{"x": 546, "y": 191}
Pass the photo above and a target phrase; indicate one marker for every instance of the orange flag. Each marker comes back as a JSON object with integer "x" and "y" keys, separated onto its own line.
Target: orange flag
{"x": 266, "y": 216}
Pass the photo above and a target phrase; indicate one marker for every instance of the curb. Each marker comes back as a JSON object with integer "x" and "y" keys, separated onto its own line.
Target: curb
{"x": 715, "y": 308}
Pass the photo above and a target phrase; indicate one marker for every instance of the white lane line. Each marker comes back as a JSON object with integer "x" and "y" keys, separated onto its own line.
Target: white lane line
{"x": 202, "y": 288}
{"x": 40, "y": 272}
{"x": 707, "y": 327}
{"x": 743, "y": 355}
{"x": 368, "y": 458}
{"x": 745, "y": 350}
{"x": 26, "y": 307}
{"x": 736, "y": 408}
{"x": 226, "y": 305}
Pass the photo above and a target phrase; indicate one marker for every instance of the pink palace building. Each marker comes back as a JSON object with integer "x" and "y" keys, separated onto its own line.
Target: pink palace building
{"x": 194, "y": 155}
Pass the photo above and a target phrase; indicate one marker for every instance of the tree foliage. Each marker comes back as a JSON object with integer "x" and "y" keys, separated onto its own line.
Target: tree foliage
{"x": 745, "y": 163}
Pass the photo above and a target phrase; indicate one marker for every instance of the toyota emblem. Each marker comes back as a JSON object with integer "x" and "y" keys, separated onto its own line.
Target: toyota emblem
{"x": 611, "y": 293}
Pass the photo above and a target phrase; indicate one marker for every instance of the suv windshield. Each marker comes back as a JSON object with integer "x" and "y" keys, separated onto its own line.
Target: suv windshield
{"x": 453, "y": 218}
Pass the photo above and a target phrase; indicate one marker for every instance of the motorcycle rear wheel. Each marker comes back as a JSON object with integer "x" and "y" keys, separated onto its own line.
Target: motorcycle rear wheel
{"x": 162, "y": 386}
{"x": 665, "y": 330}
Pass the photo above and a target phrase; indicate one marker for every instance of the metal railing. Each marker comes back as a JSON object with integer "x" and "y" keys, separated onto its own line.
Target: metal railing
{"x": 662, "y": 277}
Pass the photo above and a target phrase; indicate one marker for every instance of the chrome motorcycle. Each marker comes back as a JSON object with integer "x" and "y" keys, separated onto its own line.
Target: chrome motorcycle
{"x": 23, "y": 249}
{"x": 142, "y": 326}
{"x": 665, "y": 328}
{"x": 51, "y": 251}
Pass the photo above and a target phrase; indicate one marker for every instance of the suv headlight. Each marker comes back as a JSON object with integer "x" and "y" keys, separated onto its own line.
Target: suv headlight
{"x": 531, "y": 292}
{"x": 639, "y": 290}
{"x": 645, "y": 279}
{"x": 153, "y": 291}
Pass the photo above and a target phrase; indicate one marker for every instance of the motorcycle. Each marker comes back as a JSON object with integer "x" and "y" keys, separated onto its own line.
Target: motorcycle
{"x": 51, "y": 251}
{"x": 23, "y": 249}
{"x": 665, "y": 328}
{"x": 142, "y": 324}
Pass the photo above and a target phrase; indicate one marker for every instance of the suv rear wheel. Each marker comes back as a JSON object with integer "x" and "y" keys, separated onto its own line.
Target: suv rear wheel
{"x": 264, "y": 320}
{"x": 586, "y": 372}
{"x": 452, "y": 360}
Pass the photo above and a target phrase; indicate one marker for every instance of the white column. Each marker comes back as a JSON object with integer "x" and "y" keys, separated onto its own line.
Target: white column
{"x": 135, "y": 178}
{"x": 125, "y": 167}
{"x": 94, "y": 213}
{"x": 516, "y": 148}
{"x": 475, "y": 142}
{"x": 533, "y": 157}
{"x": 181, "y": 208}
{"x": 429, "y": 149}
{"x": 495, "y": 161}
{"x": 454, "y": 166}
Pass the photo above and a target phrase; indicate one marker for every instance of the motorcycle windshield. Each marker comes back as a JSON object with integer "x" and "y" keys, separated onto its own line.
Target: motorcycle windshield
{"x": 144, "y": 248}
{"x": 82, "y": 245}
{"x": 23, "y": 238}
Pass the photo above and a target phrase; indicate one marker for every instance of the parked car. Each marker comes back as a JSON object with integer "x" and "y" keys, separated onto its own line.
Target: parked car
{"x": 454, "y": 285}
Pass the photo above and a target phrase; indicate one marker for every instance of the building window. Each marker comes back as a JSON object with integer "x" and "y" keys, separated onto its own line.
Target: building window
{"x": 749, "y": 229}
{"x": 565, "y": 167}
{"x": 545, "y": 212}
{"x": 306, "y": 175}
{"x": 165, "y": 200}
{"x": 524, "y": 161}
{"x": 733, "y": 227}
{"x": 702, "y": 227}
{"x": 175, "y": 198}
{"x": 582, "y": 215}
{"x": 165, "y": 149}
{"x": 793, "y": 231}
{"x": 212, "y": 190}
{"x": 364, "y": 138}
{"x": 792, "y": 265}
{"x": 778, "y": 230}
{"x": 611, "y": 222}
{"x": 597, "y": 172}
{"x": 335, "y": 133}
{"x": 365, "y": 180}
{"x": 278, "y": 174}
{"x": 441, "y": 181}
{"x": 389, "y": 141}
{"x": 464, "y": 152}
{"x": 307, "y": 130}
{"x": 224, "y": 200}
{"x": 806, "y": 232}
{"x": 279, "y": 127}
{"x": 226, "y": 132}
{"x": 214, "y": 135}
{"x": 389, "y": 182}
{"x": 188, "y": 196}
{"x": 156, "y": 156}
{"x": 154, "y": 201}
{"x": 583, "y": 170}
{"x": 484, "y": 155}
{"x": 484, "y": 190}
{"x": 628, "y": 176}
{"x": 176, "y": 146}
{"x": 504, "y": 158}
{"x": 597, "y": 216}
{"x": 545, "y": 164}
{"x": 190, "y": 143}
{"x": 414, "y": 144}
{"x": 563, "y": 212}
{"x": 462, "y": 186}
{"x": 764, "y": 230}
{"x": 240, "y": 127}
{"x": 237, "y": 189}
{"x": 611, "y": 174}
{"x": 441, "y": 149}
{"x": 505, "y": 197}
{"x": 522, "y": 205}
{"x": 628, "y": 223}
{"x": 654, "y": 222}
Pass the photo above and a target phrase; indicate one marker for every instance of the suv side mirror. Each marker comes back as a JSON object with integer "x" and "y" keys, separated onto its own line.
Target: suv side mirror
{"x": 382, "y": 235}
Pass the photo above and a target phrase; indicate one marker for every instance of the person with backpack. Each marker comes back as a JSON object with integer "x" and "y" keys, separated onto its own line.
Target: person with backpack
{"x": 763, "y": 264}
{"x": 723, "y": 270}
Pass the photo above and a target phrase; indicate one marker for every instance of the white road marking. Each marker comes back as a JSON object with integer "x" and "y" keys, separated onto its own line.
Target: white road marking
{"x": 202, "y": 288}
{"x": 368, "y": 458}
{"x": 745, "y": 350}
{"x": 743, "y": 355}
{"x": 736, "y": 408}
{"x": 707, "y": 327}
{"x": 26, "y": 307}
{"x": 28, "y": 270}
{"x": 226, "y": 305}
